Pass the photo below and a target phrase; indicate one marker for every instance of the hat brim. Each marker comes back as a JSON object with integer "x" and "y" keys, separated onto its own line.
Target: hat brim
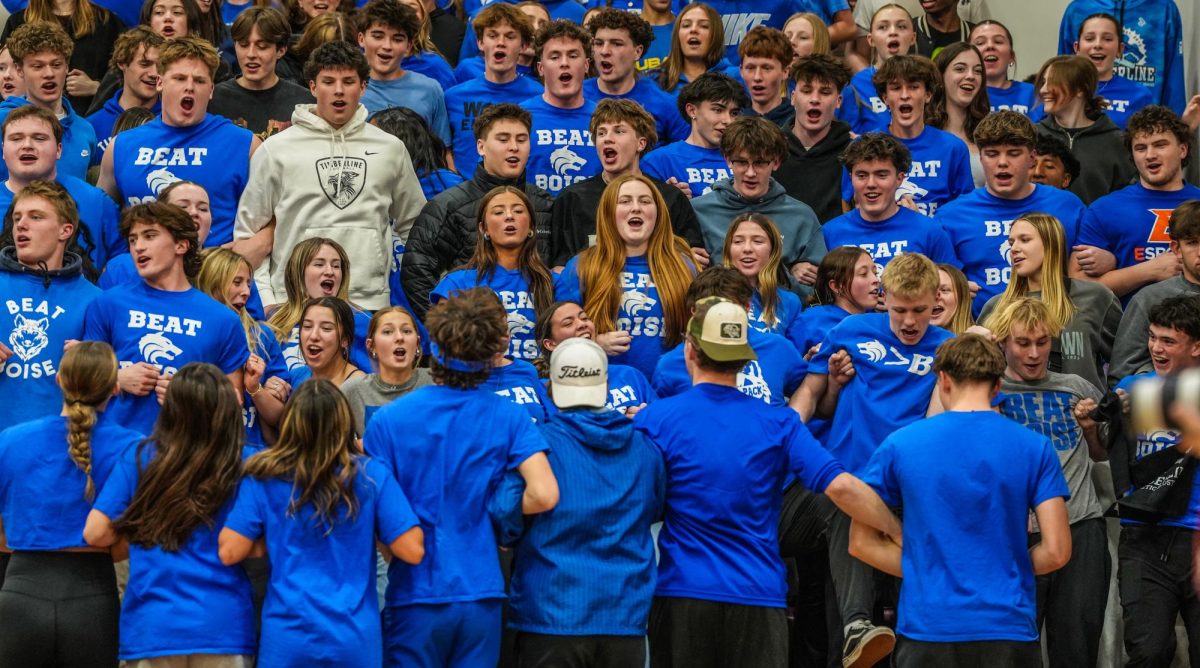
{"x": 728, "y": 353}
{"x": 574, "y": 396}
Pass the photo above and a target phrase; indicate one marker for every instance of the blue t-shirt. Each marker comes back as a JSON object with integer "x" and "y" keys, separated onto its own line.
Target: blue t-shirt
{"x": 978, "y": 225}
{"x": 891, "y": 387}
{"x": 105, "y": 117}
{"x": 466, "y": 100}
{"x": 415, "y": 91}
{"x": 772, "y": 377}
{"x": 740, "y": 18}
{"x": 862, "y": 107}
{"x": 727, "y": 455}
{"x": 518, "y": 382}
{"x": 1149, "y": 444}
{"x": 787, "y": 309}
{"x": 668, "y": 122}
{"x": 214, "y": 153}
{"x": 437, "y": 182}
{"x": 561, "y": 151}
{"x": 268, "y": 350}
{"x": 967, "y": 572}
{"x": 905, "y": 232}
{"x": 940, "y": 172}
{"x": 42, "y": 490}
{"x": 359, "y": 357}
{"x": 472, "y": 68}
{"x": 321, "y": 606}
{"x": 448, "y": 449}
{"x": 97, "y": 212}
{"x": 699, "y": 167}
{"x": 166, "y": 330}
{"x": 1132, "y": 223}
{"x": 513, "y": 290}
{"x": 811, "y": 325}
{"x": 656, "y": 54}
{"x": 184, "y": 601}
{"x": 627, "y": 388}
{"x": 1019, "y": 97}
{"x": 1153, "y": 36}
{"x": 121, "y": 271}
{"x": 432, "y": 65}
{"x": 78, "y": 139}
{"x": 36, "y": 322}
{"x": 640, "y": 314}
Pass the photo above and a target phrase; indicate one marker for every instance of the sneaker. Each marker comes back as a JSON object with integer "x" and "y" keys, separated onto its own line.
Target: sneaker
{"x": 866, "y": 644}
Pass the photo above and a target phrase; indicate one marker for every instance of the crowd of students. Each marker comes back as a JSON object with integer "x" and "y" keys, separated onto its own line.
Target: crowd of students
{"x": 568, "y": 333}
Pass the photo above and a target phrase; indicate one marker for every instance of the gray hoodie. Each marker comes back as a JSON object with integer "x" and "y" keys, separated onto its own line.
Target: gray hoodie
{"x": 802, "y": 239}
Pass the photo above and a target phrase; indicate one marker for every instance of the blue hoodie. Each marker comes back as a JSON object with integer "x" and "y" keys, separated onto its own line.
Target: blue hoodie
{"x": 78, "y": 142}
{"x": 105, "y": 117}
{"x": 1153, "y": 36}
{"x": 587, "y": 567}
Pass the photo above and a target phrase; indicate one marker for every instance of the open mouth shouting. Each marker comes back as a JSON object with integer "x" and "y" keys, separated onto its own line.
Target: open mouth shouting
{"x": 9, "y": 87}
{"x": 893, "y": 46}
{"x": 636, "y": 223}
{"x": 605, "y": 67}
{"x": 609, "y": 156}
{"x": 328, "y": 287}
{"x": 400, "y": 355}
{"x": 142, "y": 261}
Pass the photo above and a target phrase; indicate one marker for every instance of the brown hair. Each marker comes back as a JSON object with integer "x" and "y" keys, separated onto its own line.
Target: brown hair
{"x": 837, "y": 267}
{"x": 39, "y": 37}
{"x": 607, "y": 18}
{"x": 872, "y": 146}
{"x": 322, "y": 30}
{"x": 764, "y": 42}
{"x": 672, "y": 69}
{"x": 175, "y": 221}
{"x": 87, "y": 376}
{"x": 189, "y": 47}
{"x": 758, "y": 137}
{"x": 772, "y": 276}
{"x": 935, "y": 112}
{"x": 315, "y": 452}
{"x": 1075, "y": 75}
{"x": 907, "y": 69}
{"x": 506, "y": 111}
{"x": 288, "y": 315}
{"x": 86, "y": 16}
{"x": 195, "y": 454}
{"x": 529, "y": 262}
{"x": 561, "y": 29}
{"x": 970, "y": 358}
{"x": 1152, "y": 120}
{"x": 126, "y": 47}
{"x": 31, "y": 111}
{"x": 820, "y": 67}
{"x": 271, "y": 23}
{"x": 1185, "y": 222}
{"x": 469, "y": 326}
{"x": 500, "y": 13}
{"x": 1006, "y": 128}
{"x": 614, "y": 110}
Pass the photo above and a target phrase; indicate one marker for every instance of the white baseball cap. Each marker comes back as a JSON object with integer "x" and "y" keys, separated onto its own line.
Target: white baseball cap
{"x": 579, "y": 374}
{"x": 724, "y": 333}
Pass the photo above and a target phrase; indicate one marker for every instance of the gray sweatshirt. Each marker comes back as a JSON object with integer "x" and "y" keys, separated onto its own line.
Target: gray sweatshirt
{"x": 368, "y": 394}
{"x": 1130, "y": 354}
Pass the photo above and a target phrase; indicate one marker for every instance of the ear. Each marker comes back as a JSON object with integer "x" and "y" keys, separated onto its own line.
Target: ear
{"x": 479, "y": 147}
{"x": 58, "y": 152}
{"x": 540, "y": 69}
{"x": 362, "y": 40}
{"x": 641, "y": 145}
{"x": 312, "y": 87}
{"x": 67, "y": 229}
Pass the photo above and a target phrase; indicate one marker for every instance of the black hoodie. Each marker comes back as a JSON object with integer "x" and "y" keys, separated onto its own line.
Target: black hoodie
{"x": 1105, "y": 163}
{"x": 814, "y": 175}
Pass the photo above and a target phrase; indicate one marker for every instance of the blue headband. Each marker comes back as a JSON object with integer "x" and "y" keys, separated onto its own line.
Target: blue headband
{"x": 455, "y": 364}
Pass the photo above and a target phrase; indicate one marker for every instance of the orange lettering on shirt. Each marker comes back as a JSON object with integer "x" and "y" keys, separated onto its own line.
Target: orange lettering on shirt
{"x": 1160, "y": 232}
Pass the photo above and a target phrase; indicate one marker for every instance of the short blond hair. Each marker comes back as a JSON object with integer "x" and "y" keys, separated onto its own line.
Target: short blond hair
{"x": 911, "y": 275}
{"x": 188, "y": 47}
{"x": 1029, "y": 312}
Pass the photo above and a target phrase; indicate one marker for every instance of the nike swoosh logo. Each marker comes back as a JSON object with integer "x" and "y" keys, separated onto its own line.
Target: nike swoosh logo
{"x": 371, "y": 152}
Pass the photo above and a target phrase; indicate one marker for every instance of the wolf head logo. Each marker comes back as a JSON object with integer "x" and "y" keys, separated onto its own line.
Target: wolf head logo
{"x": 636, "y": 303}
{"x": 752, "y": 383}
{"x": 564, "y": 160}
{"x": 156, "y": 347}
{"x": 159, "y": 179}
{"x": 519, "y": 324}
{"x": 873, "y": 350}
{"x": 910, "y": 188}
{"x": 341, "y": 179}
{"x": 1006, "y": 252}
{"x": 28, "y": 337}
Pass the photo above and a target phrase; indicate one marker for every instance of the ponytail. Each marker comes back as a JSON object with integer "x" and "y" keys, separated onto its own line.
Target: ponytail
{"x": 87, "y": 376}
{"x": 81, "y": 419}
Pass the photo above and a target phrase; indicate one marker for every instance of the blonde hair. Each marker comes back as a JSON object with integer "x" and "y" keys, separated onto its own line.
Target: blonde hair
{"x": 218, "y": 268}
{"x": 87, "y": 376}
{"x": 1055, "y": 292}
{"x": 822, "y": 44}
{"x": 962, "y": 320}
{"x": 285, "y": 319}
{"x": 771, "y": 276}
{"x": 909, "y": 276}
{"x": 601, "y": 265}
{"x": 1028, "y": 312}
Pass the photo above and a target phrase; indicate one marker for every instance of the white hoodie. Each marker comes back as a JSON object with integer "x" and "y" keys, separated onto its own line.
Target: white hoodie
{"x": 353, "y": 184}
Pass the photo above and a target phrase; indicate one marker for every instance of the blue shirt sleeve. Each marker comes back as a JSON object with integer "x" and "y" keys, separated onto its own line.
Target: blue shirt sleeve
{"x": 441, "y": 121}
{"x": 1092, "y": 232}
{"x": 393, "y": 513}
{"x": 963, "y": 182}
{"x": 234, "y": 352}
{"x": 820, "y": 360}
{"x": 96, "y": 322}
{"x": 527, "y": 440}
{"x": 566, "y": 283}
{"x": 940, "y": 248}
{"x": 880, "y": 474}
{"x": 1050, "y": 479}
{"x": 118, "y": 490}
{"x": 247, "y": 517}
{"x": 810, "y": 462}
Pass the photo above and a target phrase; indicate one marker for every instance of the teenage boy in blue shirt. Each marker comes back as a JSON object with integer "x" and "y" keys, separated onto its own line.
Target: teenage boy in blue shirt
{"x": 502, "y": 32}
{"x": 941, "y": 164}
{"x": 890, "y": 356}
{"x": 721, "y": 582}
{"x": 561, "y": 149}
{"x": 134, "y": 54}
{"x": 711, "y": 103}
{"x": 968, "y": 593}
{"x": 619, "y": 40}
{"x": 387, "y": 28}
{"x": 1154, "y": 558}
{"x": 978, "y": 223}
{"x": 1123, "y": 239}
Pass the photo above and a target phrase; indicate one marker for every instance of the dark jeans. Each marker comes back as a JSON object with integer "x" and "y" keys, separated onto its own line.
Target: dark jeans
{"x": 978, "y": 654}
{"x": 1071, "y": 601}
{"x": 853, "y": 580}
{"x": 536, "y": 650}
{"x": 1154, "y": 577}
{"x": 693, "y": 633}
{"x": 59, "y": 609}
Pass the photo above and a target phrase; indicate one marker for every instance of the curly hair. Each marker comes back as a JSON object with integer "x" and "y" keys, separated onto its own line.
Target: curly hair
{"x": 126, "y": 47}
{"x": 470, "y": 326}
{"x": 1006, "y": 128}
{"x": 337, "y": 55}
{"x": 877, "y": 146}
{"x": 39, "y": 37}
{"x": 607, "y": 18}
{"x": 561, "y": 29}
{"x": 1154, "y": 119}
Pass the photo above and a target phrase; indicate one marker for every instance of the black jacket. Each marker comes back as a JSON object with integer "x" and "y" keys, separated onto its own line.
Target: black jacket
{"x": 90, "y": 55}
{"x": 814, "y": 175}
{"x": 443, "y": 235}
{"x": 573, "y": 217}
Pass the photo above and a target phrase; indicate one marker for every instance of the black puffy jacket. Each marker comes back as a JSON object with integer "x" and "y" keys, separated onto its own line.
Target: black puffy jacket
{"x": 443, "y": 236}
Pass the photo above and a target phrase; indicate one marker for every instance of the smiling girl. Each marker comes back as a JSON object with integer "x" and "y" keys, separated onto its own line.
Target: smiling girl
{"x": 995, "y": 42}
{"x": 1100, "y": 42}
{"x": 754, "y": 247}
{"x": 892, "y": 34}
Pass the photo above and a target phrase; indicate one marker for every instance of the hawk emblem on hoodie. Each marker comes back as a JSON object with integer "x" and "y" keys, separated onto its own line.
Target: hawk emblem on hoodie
{"x": 341, "y": 179}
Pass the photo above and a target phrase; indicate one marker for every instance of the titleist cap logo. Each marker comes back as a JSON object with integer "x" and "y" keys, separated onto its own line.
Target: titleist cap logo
{"x": 572, "y": 371}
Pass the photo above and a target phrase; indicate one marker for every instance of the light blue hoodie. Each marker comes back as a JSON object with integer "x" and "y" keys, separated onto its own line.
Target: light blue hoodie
{"x": 78, "y": 142}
